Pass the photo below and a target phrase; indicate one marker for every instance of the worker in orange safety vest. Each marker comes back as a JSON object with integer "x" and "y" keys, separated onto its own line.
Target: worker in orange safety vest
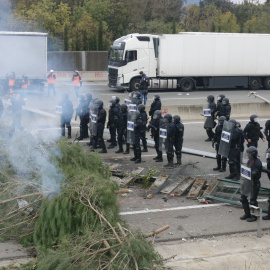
{"x": 77, "y": 82}
{"x": 51, "y": 82}
{"x": 25, "y": 84}
{"x": 11, "y": 83}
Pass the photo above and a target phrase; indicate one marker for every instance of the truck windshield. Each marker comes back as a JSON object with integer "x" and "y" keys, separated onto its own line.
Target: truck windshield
{"x": 115, "y": 54}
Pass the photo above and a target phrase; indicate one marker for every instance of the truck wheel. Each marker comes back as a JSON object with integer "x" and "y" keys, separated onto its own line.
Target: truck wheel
{"x": 266, "y": 83}
{"x": 255, "y": 83}
{"x": 134, "y": 84}
{"x": 186, "y": 85}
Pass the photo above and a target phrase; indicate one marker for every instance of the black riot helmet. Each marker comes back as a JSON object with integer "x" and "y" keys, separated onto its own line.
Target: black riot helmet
{"x": 267, "y": 154}
{"x": 221, "y": 120}
{"x": 220, "y": 97}
{"x": 112, "y": 103}
{"x": 157, "y": 114}
{"x": 225, "y": 101}
{"x": 98, "y": 103}
{"x": 123, "y": 107}
{"x": 168, "y": 116}
{"x": 156, "y": 97}
{"x": 254, "y": 118}
{"x": 137, "y": 114}
{"x": 238, "y": 124}
{"x": 210, "y": 98}
{"x": 141, "y": 108}
{"x": 252, "y": 151}
{"x": 116, "y": 98}
{"x": 136, "y": 94}
{"x": 232, "y": 121}
{"x": 176, "y": 119}
{"x": 88, "y": 97}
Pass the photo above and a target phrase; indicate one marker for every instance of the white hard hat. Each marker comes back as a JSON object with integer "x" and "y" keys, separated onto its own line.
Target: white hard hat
{"x": 51, "y": 70}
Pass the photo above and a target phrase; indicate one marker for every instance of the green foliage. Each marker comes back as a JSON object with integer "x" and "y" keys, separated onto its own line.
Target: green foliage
{"x": 146, "y": 180}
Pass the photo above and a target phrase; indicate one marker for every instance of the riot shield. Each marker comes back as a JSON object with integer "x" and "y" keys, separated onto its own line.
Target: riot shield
{"x": 130, "y": 127}
{"x": 93, "y": 118}
{"x": 245, "y": 181}
{"x": 209, "y": 119}
{"x": 163, "y": 125}
{"x": 225, "y": 141}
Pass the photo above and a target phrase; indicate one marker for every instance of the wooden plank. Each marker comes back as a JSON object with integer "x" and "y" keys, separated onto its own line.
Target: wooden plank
{"x": 170, "y": 188}
{"x": 196, "y": 188}
{"x": 160, "y": 180}
{"x": 210, "y": 187}
{"x": 182, "y": 187}
{"x": 132, "y": 176}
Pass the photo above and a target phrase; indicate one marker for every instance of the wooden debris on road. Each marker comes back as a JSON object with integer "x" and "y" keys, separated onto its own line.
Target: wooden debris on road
{"x": 131, "y": 177}
{"x": 196, "y": 188}
{"x": 159, "y": 181}
{"x": 121, "y": 191}
{"x": 183, "y": 186}
{"x": 210, "y": 187}
{"x": 157, "y": 231}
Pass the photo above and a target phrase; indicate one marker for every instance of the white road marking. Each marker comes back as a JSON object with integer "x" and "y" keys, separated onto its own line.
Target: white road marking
{"x": 147, "y": 211}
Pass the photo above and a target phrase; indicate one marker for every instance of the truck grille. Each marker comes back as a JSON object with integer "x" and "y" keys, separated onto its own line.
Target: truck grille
{"x": 113, "y": 73}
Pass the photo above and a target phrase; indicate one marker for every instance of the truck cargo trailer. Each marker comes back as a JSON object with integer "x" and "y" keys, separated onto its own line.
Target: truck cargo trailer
{"x": 191, "y": 60}
{"x": 24, "y": 53}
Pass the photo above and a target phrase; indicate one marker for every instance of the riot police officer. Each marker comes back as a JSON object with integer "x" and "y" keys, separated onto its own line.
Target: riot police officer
{"x": 154, "y": 126}
{"x": 156, "y": 105}
{"x": 221, "y": 161}
{"x": 225, "y": 109}
{"x": 178, "y": 138}
{"x": 252, "y": 186}
{"x": 83, "y": 112}
{"x": 122, "y": 127}
{"x": 267, "y": 217}
{"x": 234, "y": 153}
{"x": 100, "y": 124}
{"x": 117, "y": 102}
{"x": 113, "y": 122}
{"x": 135, "y": 97}
{"x": 169, "y": 140}
{"x": 242, "y": 147}
{"x": 66, "y": 115}
{"x": 138, "y": 125}
{"x": 252, "y": 131}
{"x": 209, "y": 121}
{"x": 267, "y": 132}
{"x": 141, "y": 109}
{"x": 219, "y": 102}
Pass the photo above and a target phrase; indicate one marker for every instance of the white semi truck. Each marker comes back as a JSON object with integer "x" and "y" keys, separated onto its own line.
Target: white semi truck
{"x": 191, "y": 60}
{"x": 24, "y": 53}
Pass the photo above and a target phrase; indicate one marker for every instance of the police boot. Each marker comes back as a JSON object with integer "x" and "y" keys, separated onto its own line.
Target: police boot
{"x": 267, "y": 217}
{"x": 127, "y": 149}
{"x": 63, "y": 132}
{"x": 157, "y": 157}
{"x": 223, "y": 167}
{"x": 102, "y": 144}
{"x": 247, "y": 212}
{"x": 144, "y": 146}
{"x": 233, "y": 172}
{"x": 81, "y": 135}
{"x": 170, "y": 162}
{"x": 135, "y": 154}
{"x": 138, "y": 155}
{"x": 218, "y": 164}
{"x": 120, "y": 150}
{"x": 69, "y": 132}
{"x": 178, "y": 158}
{"x": 160, "y": 158}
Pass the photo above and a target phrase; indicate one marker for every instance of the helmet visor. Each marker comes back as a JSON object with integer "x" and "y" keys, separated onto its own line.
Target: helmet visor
{"x": 257, "y": 120}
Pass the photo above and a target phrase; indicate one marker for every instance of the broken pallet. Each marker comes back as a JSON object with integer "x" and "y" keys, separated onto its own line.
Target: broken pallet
{"x": 211, "y": 188}
{"x": 196, "y": 188}
{"x": 133, "y": 175}
{"x": 159, "y": 181}
{"x": 183, "y": 186}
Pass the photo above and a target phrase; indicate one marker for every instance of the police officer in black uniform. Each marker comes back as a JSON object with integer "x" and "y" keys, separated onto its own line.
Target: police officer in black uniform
{"x": 219, "y": 101}
{"x": 141, "y": 109}
{"x": 113, "y": 122}
{"x": 252, "y": 131}
{"x": 242, "y": 147}
{"x": 135, "y": 97}
{"x": 252, "y": 186}
{"x": 267, "y": 217}
{"x": 155, "y": 105}
{"x": 267, "y": 132}
{"x": 154, "y": 127}
{"x": 67, "y": 112}
{"x": 210, "y": 123}
{"x": 169, "y": 140}
{"x": 225, "y": 109}
{"x": 178, "y": 138}
{"x": 83, "y": 112}
{"x": 117, "y": 101}
{"x": 221, "y": 161}
{"x": 138, "y": 125}
{"x": 16, "y": 110}
{"x": 234, "y": 154}
{"x": 122, "y": 127}
{"x": 101, "y": 119}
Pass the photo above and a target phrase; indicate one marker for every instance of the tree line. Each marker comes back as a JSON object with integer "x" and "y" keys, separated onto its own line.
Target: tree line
{"x": 75, "y": 25}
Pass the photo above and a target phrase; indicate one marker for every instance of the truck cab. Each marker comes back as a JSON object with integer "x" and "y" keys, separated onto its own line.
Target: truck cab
{"x": 128, "y": 56}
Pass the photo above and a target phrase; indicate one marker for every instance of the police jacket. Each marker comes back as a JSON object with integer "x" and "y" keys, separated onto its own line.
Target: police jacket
{"x": 101, "y": 116}
{"x": 82, "y": 109}
{"x": 136, "y": 100}
{"x": 16, "y": 105}
{"x": 253, "y": 131}
{"x": 236, "y": 138}
{"x": 212, "y": 106}
{"x": 67, "y": 109}
{"x": 122, "y": 120}
{"x": 170, "y": 131}
{"x": 267, "y": 130}
{"x": 138, "y": 126}
{"x": 113, "y": 116}
{"x": 144, "y": 119}
{"x": 225, "y": 110}
{"x": 256, "y": 168}
{"x": 156, "y": 105}
{"x": 217, "y": 135}
{"x": 179, "y": 130}
{"x": 154, "y": 126}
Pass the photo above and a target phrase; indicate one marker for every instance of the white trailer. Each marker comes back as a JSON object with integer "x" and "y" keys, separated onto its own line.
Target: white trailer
{"x": 191, "y": 60}
{"x": 24, "y": 53}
